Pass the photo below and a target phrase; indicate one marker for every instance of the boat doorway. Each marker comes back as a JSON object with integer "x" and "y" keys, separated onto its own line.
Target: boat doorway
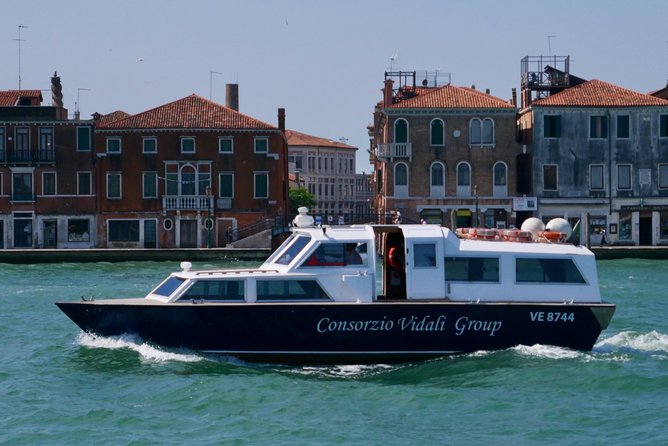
{"x": 645, "y": 229}
{"x": 49, "y": 235}
{"x": 392, "y": 251}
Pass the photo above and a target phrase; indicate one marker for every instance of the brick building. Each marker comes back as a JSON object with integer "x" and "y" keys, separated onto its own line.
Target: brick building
{"x": 443, "y": 153}
{"x": 187, "y": 174}
{"x": 46, "y": 177}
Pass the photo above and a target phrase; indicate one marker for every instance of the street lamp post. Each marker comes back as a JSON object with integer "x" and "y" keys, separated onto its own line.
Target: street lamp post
{"x": 475, "y": 193}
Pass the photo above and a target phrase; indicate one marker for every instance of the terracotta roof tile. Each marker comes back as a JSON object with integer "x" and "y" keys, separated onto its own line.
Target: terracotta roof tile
{"x": 302, "y": 139}
{"x": 113, "y": 116}
{"x": 450, "y": 96}
{"x": 191, "y": 112}
{"x": 10, "y": 98}
{"x": 596, "y": 93}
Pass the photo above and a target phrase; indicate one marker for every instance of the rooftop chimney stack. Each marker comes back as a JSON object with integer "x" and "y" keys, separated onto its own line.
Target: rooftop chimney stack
{"x": 281, "y": 119}
{"x": 514, "y": 100}
{"x": 387, "y": 92}
{"x": 56, "y": 91}
{"x": 232, "y": 96}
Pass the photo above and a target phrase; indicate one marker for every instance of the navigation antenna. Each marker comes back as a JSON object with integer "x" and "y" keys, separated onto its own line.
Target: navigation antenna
{"x": 211, "y": 73}
{"x": 19, "y": 40}
{"x": 549, "y": 45}
{"x": 393, "y": 58}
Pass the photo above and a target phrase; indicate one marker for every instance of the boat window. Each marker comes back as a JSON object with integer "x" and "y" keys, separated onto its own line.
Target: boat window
{"x": 215, "y": 290}
{"x": 272, "y": 290}
{"x": 338, "y": 254}
{"x": 472, "y": 269}
{"x": 424, "y": 255}
{"x": 547, "y": 270}
{"x": 167, "y": 287}
{"x": 293, "y": 250}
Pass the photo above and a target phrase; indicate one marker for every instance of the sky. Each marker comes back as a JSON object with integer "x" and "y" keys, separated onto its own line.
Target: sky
{"x": 323, "y": 61}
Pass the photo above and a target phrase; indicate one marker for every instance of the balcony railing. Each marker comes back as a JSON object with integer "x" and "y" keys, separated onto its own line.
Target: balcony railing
{"x": 395, "y": 150}
{"x": 187, "y": 202}
{"x": 27, "y": 156}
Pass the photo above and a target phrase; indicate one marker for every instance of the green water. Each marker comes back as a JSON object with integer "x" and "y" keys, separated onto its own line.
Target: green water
{"x": 59, "y": 386}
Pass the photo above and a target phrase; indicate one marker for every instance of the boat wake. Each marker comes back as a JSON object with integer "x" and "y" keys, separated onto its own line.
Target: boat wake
{"x": 547, "y": 352}
{"x": 147, "y": 352}
{"x": 343, "y": 371}
{"x": 631, "y": 341}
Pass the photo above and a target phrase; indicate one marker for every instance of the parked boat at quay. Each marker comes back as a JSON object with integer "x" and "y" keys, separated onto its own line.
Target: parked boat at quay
{"x": 317, "y": 299}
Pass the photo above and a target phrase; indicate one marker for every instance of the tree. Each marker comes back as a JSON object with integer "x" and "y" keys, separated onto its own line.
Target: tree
{"x": 301, "y": 197}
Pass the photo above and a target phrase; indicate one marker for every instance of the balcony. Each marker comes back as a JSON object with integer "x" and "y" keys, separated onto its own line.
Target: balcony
{"x": 27, "y": 156}
{"x": 395, "y": 150}
{"x": 187, "y": 203}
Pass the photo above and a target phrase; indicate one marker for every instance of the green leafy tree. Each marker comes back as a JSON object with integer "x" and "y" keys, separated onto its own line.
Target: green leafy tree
{"x": 301, "y": 197}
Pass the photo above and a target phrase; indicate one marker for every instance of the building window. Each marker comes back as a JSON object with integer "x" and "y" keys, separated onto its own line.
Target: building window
{"x": 83, "y": 139}
{"x": 550, "y": 177}
{"x": 663, "y": 176}
{"x": 623, "y": 176}
{"x": 187, "y": 144}
{"x": 598, "y": 127}
{"x": 45, "y": 139}
{"x": 114, "y": 185}
{"x": 22, "y": 186}
{"x": 437, "y": 133}
{"x": 261, "y": 145}
{"x": 551, "y": 126}
{"x": 663, "y": 126}
{"x": 22, "y": 142}
{"x": 261, "y": 185}
{"x": 150, "y": 185}
{"x": 149, "y": 145}
{"x": 437, "y": 179}
{"x": 226, "y": 185}
{"x": 400, "y": 131}
{"x": 623, "y": 127}
{"x": 500, "y": 174}
{"x": 225, "y": 145}
{"x": 83, "y": 183}
{"x": 475, "y": 132}
{"x": 114, "y": 145}
{"x": 596, "y": 176}
{"x": 488, "y": 132}
{"x": 463, "y": 175}
{"x": 78, "y": 230}
{"x": 123, "y": 230}
{"x": 49, "y": 183}
{"x": 3, "y": 155}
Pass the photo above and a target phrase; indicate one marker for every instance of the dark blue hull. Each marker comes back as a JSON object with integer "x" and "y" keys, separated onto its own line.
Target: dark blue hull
{"x": 340, "y": 333}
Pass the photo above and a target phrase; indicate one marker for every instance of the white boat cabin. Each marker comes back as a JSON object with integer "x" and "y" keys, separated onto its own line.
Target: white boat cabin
{"x": 369, "y": 263}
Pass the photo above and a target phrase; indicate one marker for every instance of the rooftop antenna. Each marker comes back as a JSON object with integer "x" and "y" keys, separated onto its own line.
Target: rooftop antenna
{"x": 211, "y": 73}
{"x": 343, "y": 139}
{"x": 79, "y": 90}
{"x": 549, "y": 44}
{"x": 19, "y": 40}
{"x": 393, "y": 58}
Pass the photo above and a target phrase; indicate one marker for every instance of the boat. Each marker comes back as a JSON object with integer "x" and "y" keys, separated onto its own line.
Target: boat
{"x": 370, "y": 294}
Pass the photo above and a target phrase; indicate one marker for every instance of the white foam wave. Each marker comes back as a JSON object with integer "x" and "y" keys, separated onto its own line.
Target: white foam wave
{"x": 146, "y": 351}
{"x": 547, "y": 351}
{"x": 343, "y": 371}
{"x": 652, "y": 342}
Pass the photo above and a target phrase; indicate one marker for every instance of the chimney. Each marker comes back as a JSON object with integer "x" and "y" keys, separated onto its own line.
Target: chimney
{"x": 486, "y": 90}
{"x": 232, "y": 96}
{"x": 514, "y": 98}
{"x": 387, "y": 93}
{"x": 281, "y": 119}
{"x": 56, "y": 90}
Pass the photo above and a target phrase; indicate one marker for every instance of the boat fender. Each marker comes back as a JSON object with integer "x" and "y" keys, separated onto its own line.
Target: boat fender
{"x": 395, "y": 258}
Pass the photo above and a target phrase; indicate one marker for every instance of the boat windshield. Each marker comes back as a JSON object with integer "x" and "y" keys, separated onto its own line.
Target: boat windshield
{"x": 289, "y": 254}
{"x": 167, "y": 287}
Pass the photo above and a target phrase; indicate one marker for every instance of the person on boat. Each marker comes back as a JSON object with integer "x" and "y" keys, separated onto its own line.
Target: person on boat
{"x": 352, "y": 256}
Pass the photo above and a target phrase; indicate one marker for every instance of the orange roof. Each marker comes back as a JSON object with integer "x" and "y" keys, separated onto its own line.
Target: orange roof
{"x": 191, "y": 112}
{"x": 113, "y": 116}
{"x": 595, "y": 93}
{"x": 302, "y": 139}
{"x": 10, "y": 98}
{"x": 450, "y": 96}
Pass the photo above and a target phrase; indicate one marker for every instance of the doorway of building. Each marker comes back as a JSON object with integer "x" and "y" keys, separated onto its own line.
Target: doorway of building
{"x": 2, "y": 234}
{"x": 23, "y": 230}
{"x": 50, "y": 234}
{"x": 645, "y": 229}
{"x": 188, "y": 233}
{"x": 150, "y": 234}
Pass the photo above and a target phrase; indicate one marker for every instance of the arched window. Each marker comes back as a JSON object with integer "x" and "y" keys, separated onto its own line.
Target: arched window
{"x": 488, "y": 132}
{"x": 475, "y": 132}
{"x": 400, "y": 131}
{"x": 400, "y": 180}
{"x": 500, "y": 174}
{"x": 437, "y": 179}
{"x": 437, "y": 133}
{"x": 188, "y": 180}
{"x": 463, "y": 180}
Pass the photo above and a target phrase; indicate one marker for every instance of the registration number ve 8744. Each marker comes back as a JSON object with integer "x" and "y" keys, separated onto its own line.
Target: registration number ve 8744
{"x": 551, "y": 316}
